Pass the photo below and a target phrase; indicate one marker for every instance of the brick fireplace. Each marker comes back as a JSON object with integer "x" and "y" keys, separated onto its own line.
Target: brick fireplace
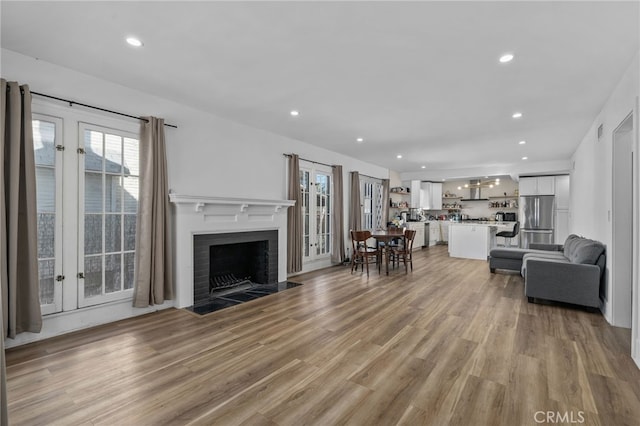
{"x": 223, "y": 260}
{"x": 213, "y": 221}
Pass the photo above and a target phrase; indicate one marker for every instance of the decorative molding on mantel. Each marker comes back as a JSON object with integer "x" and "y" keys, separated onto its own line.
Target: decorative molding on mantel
{"x": 242, "y": 204}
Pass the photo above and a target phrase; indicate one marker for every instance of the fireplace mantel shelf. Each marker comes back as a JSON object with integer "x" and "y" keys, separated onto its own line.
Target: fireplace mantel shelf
{"x": 199, "y": 202}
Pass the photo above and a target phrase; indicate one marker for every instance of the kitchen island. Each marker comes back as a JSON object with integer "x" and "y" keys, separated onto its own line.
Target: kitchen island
{"x": 471, "y": 240}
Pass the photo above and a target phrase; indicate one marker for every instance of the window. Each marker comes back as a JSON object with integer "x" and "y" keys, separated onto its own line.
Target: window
{"x": 371, "y": 201}
{"x": 110, "y": 169}
{"x": 316, "y": 187}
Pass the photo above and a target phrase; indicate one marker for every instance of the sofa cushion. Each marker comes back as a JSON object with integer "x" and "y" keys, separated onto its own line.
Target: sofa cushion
{"x": 584, "y": 251}
{"x": 551, "y": 256}
{"x": 508, "y": 253}
{"x": 519, "y": 253}
{"x": 570, "y": 242}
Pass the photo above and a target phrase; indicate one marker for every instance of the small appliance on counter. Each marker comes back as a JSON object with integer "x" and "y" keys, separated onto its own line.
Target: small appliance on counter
{"x": 510, "y": 217}
{"x": 414, "y": 215}
{"x": 500, "y": 217}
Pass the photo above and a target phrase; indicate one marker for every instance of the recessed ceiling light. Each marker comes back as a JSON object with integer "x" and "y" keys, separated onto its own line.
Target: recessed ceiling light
{"x": 522, "y": 142}
{"x": 459, "y": 188}
{"x": 294, "y": 113}
{"x": 507, "y": 57}
{"x": 491, "y": 186}
{"x": 497, "y": 179}
{"x": 134, "y": 42}
{"x": 466, "y": 185}
{"x": 423, "y": 167}
{"x": 443, "y": 179}
{"x": 525, "y": 158}
{"x": 517, "y": 115}
{"x": 399, "y": 156}
{"x": 359, "y": 140}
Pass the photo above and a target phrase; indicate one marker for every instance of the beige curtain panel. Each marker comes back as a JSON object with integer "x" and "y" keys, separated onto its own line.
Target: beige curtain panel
{"x": 355, "y": 209}
{"x": 19, "y": 260}
{"x": 20, "y": 287}
{"x": 385, "y": 202}
{"x": 294, "y": 217}
{"x": 4, "y": 416}
{"x": 154, "y": 254}
{"x": 337, "y": 243}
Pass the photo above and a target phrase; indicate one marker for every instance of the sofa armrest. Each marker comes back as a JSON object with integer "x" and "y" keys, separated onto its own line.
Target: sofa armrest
{"x": 548, "y": 247}
{"x": 563, "y": 282}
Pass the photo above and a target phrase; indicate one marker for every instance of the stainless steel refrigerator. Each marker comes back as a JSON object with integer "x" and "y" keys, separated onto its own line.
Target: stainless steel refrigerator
{"x": 536, "y": 219}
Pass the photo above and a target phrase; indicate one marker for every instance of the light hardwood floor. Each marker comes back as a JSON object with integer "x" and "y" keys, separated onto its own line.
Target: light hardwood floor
{"x": 449, "y": 343}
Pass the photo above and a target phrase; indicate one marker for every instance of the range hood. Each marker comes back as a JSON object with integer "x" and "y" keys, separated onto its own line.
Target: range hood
{"x": 474, "y": 191}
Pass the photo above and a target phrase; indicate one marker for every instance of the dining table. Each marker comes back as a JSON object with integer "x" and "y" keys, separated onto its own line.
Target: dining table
{"x": 383, "y": 238}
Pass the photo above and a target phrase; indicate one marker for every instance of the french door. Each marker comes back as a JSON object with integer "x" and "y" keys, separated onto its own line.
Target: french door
{"x": 109, "y": 167}
{"x": 86, "y": 185}
{"x": 317, "y": 198}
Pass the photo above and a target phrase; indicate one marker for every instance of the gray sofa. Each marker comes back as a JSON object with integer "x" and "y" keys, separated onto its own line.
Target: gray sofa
{"x": 571, "y": 273}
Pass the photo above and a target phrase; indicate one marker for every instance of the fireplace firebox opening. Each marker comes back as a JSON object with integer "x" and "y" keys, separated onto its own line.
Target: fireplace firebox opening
{"x": 225, "y": 261}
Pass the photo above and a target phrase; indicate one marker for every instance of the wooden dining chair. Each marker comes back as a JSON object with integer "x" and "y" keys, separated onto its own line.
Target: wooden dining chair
{"x": 362, "y": 254}
{"x": 404, "y": 253}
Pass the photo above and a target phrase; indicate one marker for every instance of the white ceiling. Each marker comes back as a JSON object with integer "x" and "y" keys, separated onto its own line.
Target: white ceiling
{"x": 421, "y": 79}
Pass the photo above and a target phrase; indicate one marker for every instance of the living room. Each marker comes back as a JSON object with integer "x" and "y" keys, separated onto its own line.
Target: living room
{"x": 212, "y": 155}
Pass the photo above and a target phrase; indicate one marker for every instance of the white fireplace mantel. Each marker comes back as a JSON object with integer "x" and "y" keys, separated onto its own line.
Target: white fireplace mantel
{"x": 243, "y": 204}
{"x": 196, "y": 214}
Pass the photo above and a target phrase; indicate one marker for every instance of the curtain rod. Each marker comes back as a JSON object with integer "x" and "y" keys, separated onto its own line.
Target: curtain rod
{"x": 71, "y": 103}
{"x": 330, "y": 165}
{"x": 372, "y": 177}
{"x": 311, "y": 161}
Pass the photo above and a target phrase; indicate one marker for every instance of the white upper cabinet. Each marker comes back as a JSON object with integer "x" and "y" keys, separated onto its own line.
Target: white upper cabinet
{"x": 541, "y": 185}
{"x": 546, "y": 185}
{"x": 426, "y": 195}
{"x": 562, "y": 192}
{"x": 416, "y": 192}
{"x": 436, "y": 196}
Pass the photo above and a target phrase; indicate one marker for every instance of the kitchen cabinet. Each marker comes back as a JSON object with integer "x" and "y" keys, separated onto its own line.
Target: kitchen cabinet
{"x": 471, "y": 241}
{"x": 415, "y": 194}
{"x": 540, "y": 185}
{"x": 434, "y": 232}
{"x": 419, "y": 238}
{"x": 435, "y": 196}
{"x": 562, "y": 192}
{"x": 426, "y": 195}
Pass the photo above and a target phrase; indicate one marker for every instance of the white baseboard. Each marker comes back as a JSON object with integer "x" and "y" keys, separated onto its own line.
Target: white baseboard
{"x": 66, "y": 322}
{"x": 635, "y": 352}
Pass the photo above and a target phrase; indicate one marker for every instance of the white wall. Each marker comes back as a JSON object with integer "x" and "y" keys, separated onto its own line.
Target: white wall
{"x": 591, "y": 178}
{"x": 206, "y": 155}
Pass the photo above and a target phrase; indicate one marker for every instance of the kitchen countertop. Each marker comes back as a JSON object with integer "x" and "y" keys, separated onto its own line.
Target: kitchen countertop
{"x": 484, "y": 222}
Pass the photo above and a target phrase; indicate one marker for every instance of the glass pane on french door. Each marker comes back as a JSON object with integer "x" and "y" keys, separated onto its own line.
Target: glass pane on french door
{"x": 110, "y": 170}
{"x": 47, "y": 133}
{"x": 305, "y": 188}
{"x": 323, "y": 214}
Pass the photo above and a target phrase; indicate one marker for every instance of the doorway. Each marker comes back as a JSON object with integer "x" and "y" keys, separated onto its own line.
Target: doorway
{"x": 622, "y": 223}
